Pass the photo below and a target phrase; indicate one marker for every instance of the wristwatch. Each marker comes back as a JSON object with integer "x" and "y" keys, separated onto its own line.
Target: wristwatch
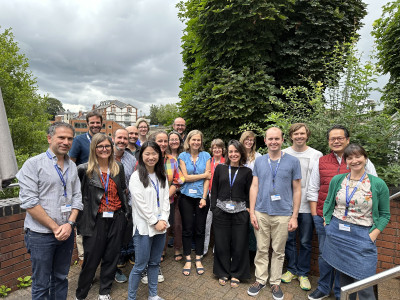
{"x": 73, "y": 224}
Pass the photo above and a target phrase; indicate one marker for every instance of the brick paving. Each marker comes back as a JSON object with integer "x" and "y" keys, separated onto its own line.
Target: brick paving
{"x": 195, "y": 287}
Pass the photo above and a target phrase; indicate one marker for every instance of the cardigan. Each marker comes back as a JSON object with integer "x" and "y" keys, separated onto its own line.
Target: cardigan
{"x": 380, "y": 201}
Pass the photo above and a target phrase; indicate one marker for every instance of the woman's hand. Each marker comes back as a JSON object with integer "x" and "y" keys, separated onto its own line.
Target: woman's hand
{"x": 207, "y": 174}
{"x": 161, "y": 225}
{"x": 253, "y": 220}
{"x": 374, "y": 234}
{"x": 202, "y": 203}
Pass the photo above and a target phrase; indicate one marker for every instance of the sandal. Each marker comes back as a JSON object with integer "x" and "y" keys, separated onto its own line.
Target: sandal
{"x": 235, "y": 283}
{"x": 199, "y": 270}
{"x": 178, "y": 257}
{"x": 222, "y": 281}
{"x": 187, "y": 270}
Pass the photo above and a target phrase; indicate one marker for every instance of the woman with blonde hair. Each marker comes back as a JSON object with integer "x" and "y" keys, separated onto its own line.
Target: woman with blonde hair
{"x": 248, "y": 140}
{"x": 193, "y": 205}
{"x": 104, "y": 217}
{"x": 143, "y": 127}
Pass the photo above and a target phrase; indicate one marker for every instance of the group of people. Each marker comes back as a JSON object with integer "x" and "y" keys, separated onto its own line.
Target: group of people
{"x": 127, "y": 193}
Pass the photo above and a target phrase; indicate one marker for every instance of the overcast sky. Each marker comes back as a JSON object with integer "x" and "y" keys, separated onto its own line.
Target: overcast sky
{"x": 83, "y": 52}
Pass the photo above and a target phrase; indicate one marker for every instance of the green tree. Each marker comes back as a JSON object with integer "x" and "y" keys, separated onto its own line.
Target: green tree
{"x": 167, "y": 113}
{"x": 237, "y": 54}
{"x": 386, "y": 32}
{"x": 54, "y": 106}
{"x": 26, "y": 110}
{"x": 153, "y": 114}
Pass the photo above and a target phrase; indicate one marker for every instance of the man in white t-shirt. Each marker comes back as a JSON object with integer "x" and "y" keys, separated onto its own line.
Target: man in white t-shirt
{"x": 298, "y": 264}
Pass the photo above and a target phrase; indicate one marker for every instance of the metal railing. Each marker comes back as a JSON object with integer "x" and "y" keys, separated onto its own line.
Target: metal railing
{"x": 367, "y": 282}
{"x": 394, "y": 196}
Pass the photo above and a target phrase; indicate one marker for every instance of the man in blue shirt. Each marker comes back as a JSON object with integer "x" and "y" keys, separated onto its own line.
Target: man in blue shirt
{"x": 79, "y": 152}
{"x": 50, "y": 191}
{"x": 275, "y": 195}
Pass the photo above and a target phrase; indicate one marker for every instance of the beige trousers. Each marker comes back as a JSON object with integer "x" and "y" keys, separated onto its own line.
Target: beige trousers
{"x": 79, "y": 246}
{"x": 273, "y": 230}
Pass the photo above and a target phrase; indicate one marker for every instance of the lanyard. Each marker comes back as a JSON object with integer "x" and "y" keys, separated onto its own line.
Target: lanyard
{"x": 348, "y": 198}
{"x": 105, "y": 183}
{"x": 276, "y": 169}
{"x": 215, "y": 165}
{"x": 64, "y": 183}
{"x": 194, "y": 163}
{"x": 157, "y": 188}
{"x": 89, "y": 137}
{"x": 232, "y": 181}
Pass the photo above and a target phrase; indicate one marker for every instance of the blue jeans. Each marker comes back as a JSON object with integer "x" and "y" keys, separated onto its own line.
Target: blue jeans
{"x": 300, "y": 264}
{"x": 148, "y": 252}
{"x": 51, "y": 260}
{"x": 327, "y": 274}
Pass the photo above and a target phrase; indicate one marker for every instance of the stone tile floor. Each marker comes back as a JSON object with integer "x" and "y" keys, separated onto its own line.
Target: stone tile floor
{"x": 205, "y": 287}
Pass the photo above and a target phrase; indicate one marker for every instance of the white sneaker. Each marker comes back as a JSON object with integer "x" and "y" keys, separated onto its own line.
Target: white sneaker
{"x": 160, "y": 277}
{"x": 104, "y": 297}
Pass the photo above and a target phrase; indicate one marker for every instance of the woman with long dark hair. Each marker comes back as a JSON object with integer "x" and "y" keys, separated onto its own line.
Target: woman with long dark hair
{"x": 193, "y": 204}
{"x": 104, "y": 217}
{"x": 150, "y": 212}
{"x": 229, "y": 204}
{"x": 356, "y": 211}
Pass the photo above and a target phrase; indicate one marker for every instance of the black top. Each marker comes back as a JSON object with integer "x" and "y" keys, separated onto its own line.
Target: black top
{"x": 221, "y": 187}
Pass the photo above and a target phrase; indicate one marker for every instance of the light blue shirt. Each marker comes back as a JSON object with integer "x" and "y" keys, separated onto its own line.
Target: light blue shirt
{"x": 289, "y": 169}
{"x": 194, "y": 189}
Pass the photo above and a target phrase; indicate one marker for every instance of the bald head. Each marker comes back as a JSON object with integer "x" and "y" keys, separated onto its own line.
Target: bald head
{"x": 179, "y": 125}
{"x": 133, "y": 134}
{"x": 275, "y": 130}
{"x": 274, "y": 139}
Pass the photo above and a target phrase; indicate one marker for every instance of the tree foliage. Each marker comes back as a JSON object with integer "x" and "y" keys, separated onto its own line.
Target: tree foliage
{"x": 54, "y": 106}
{"x": 386, "y": 32}
{"x": 237, "y": 54}
{"x": 163, "y": 114}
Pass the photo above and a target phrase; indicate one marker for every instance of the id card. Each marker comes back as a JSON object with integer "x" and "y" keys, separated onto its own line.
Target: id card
{"x": 275, "y": 197}
{"x": 108, "y": 214}
{"x": 344, "y": 227}
{"x": 65, "y": 208}
{"x": 230, "y": 206}
{"x": 192, "y": 191}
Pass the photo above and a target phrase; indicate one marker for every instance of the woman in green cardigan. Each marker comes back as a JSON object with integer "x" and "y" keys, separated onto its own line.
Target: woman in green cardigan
{"x": 356, "y": 211}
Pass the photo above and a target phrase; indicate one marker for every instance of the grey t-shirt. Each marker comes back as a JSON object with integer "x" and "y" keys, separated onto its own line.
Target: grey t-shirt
{"x": 288, "y": 170}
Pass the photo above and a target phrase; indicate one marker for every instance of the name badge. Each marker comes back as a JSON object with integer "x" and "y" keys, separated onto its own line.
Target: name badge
{"x": 344, "y": 227}
{"x": 192, "y": 191}
{"x": 66, "y": 208}
{"x": 275, "y": 197}
{"x": 230, "y": 206}
{"x": 108, "y": 214}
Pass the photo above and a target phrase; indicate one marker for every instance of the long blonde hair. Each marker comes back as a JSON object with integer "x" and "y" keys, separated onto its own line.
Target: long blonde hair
{"x": 93, "y": 164}
{"x": 249, "y": 134}
{"x": 186, "y": 145}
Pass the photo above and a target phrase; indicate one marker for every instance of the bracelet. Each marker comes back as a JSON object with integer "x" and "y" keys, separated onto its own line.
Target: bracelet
{"x": 72, "y": 223}
{"x": 203, "y": 199}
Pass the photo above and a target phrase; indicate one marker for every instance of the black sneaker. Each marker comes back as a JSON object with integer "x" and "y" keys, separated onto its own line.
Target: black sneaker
{"x": 255, "y": 288}
{"x": 317, "y": 295}
{"x": 276, "y": 291}
{"x": 120, "y": 277}
{"x": 121, "y": 262}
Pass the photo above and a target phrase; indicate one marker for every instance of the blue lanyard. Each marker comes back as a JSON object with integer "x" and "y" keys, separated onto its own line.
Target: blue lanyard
{"x": 348, "y": 198}
{"x": 157, "y": 188}
{"x": 89, "y": 137}
{"x": 64, "y": 183}
{"x": 194, "y": 163}
{"x": 231, "y": 182}
{"x": 105, "y": 183}
{"x": 276, "y": 169}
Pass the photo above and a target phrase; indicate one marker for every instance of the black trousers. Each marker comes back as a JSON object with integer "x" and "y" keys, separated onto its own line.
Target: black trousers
{"x": 103, "y": 246}
{"x": 193, "y": 223}
{"x": 231, "y": 252}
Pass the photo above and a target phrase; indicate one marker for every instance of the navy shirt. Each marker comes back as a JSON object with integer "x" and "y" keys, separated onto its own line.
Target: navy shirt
{"x": 80, "y": 148}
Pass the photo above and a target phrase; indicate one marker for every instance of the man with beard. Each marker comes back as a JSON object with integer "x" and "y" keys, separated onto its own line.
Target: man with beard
{"x": 120, "y": 139}
{"x": 79, "y": 153}
{"x": 133, "y": 135}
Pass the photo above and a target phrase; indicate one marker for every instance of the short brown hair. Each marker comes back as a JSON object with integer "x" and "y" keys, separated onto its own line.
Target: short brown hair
{"x": 94, "y": 113}
{"x": 218, "y": 143}
{"x": 352, "y": 149}
{"x": 297, "y": 126}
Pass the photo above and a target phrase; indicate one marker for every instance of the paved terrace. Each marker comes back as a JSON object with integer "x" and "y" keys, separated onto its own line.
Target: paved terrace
{"x": 195, "y": 287}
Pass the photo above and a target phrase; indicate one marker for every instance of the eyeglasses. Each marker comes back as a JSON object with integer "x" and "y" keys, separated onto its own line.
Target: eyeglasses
{"x": 339, "y": 139}
{"x": 180, "y": 125}
{"x": 106, "y": 147}
{"x": 142, "y": 127}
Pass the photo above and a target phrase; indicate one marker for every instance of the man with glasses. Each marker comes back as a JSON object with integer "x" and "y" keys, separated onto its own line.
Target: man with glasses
{"x": 179, "y": 125}
{"x": 328, "y": 166}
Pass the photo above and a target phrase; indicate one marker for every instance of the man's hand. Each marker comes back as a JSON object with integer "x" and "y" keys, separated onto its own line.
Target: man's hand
{"x": 292, "y": 226}
{"x": 63, "y": 232}
{"x": 253, "y": 220}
